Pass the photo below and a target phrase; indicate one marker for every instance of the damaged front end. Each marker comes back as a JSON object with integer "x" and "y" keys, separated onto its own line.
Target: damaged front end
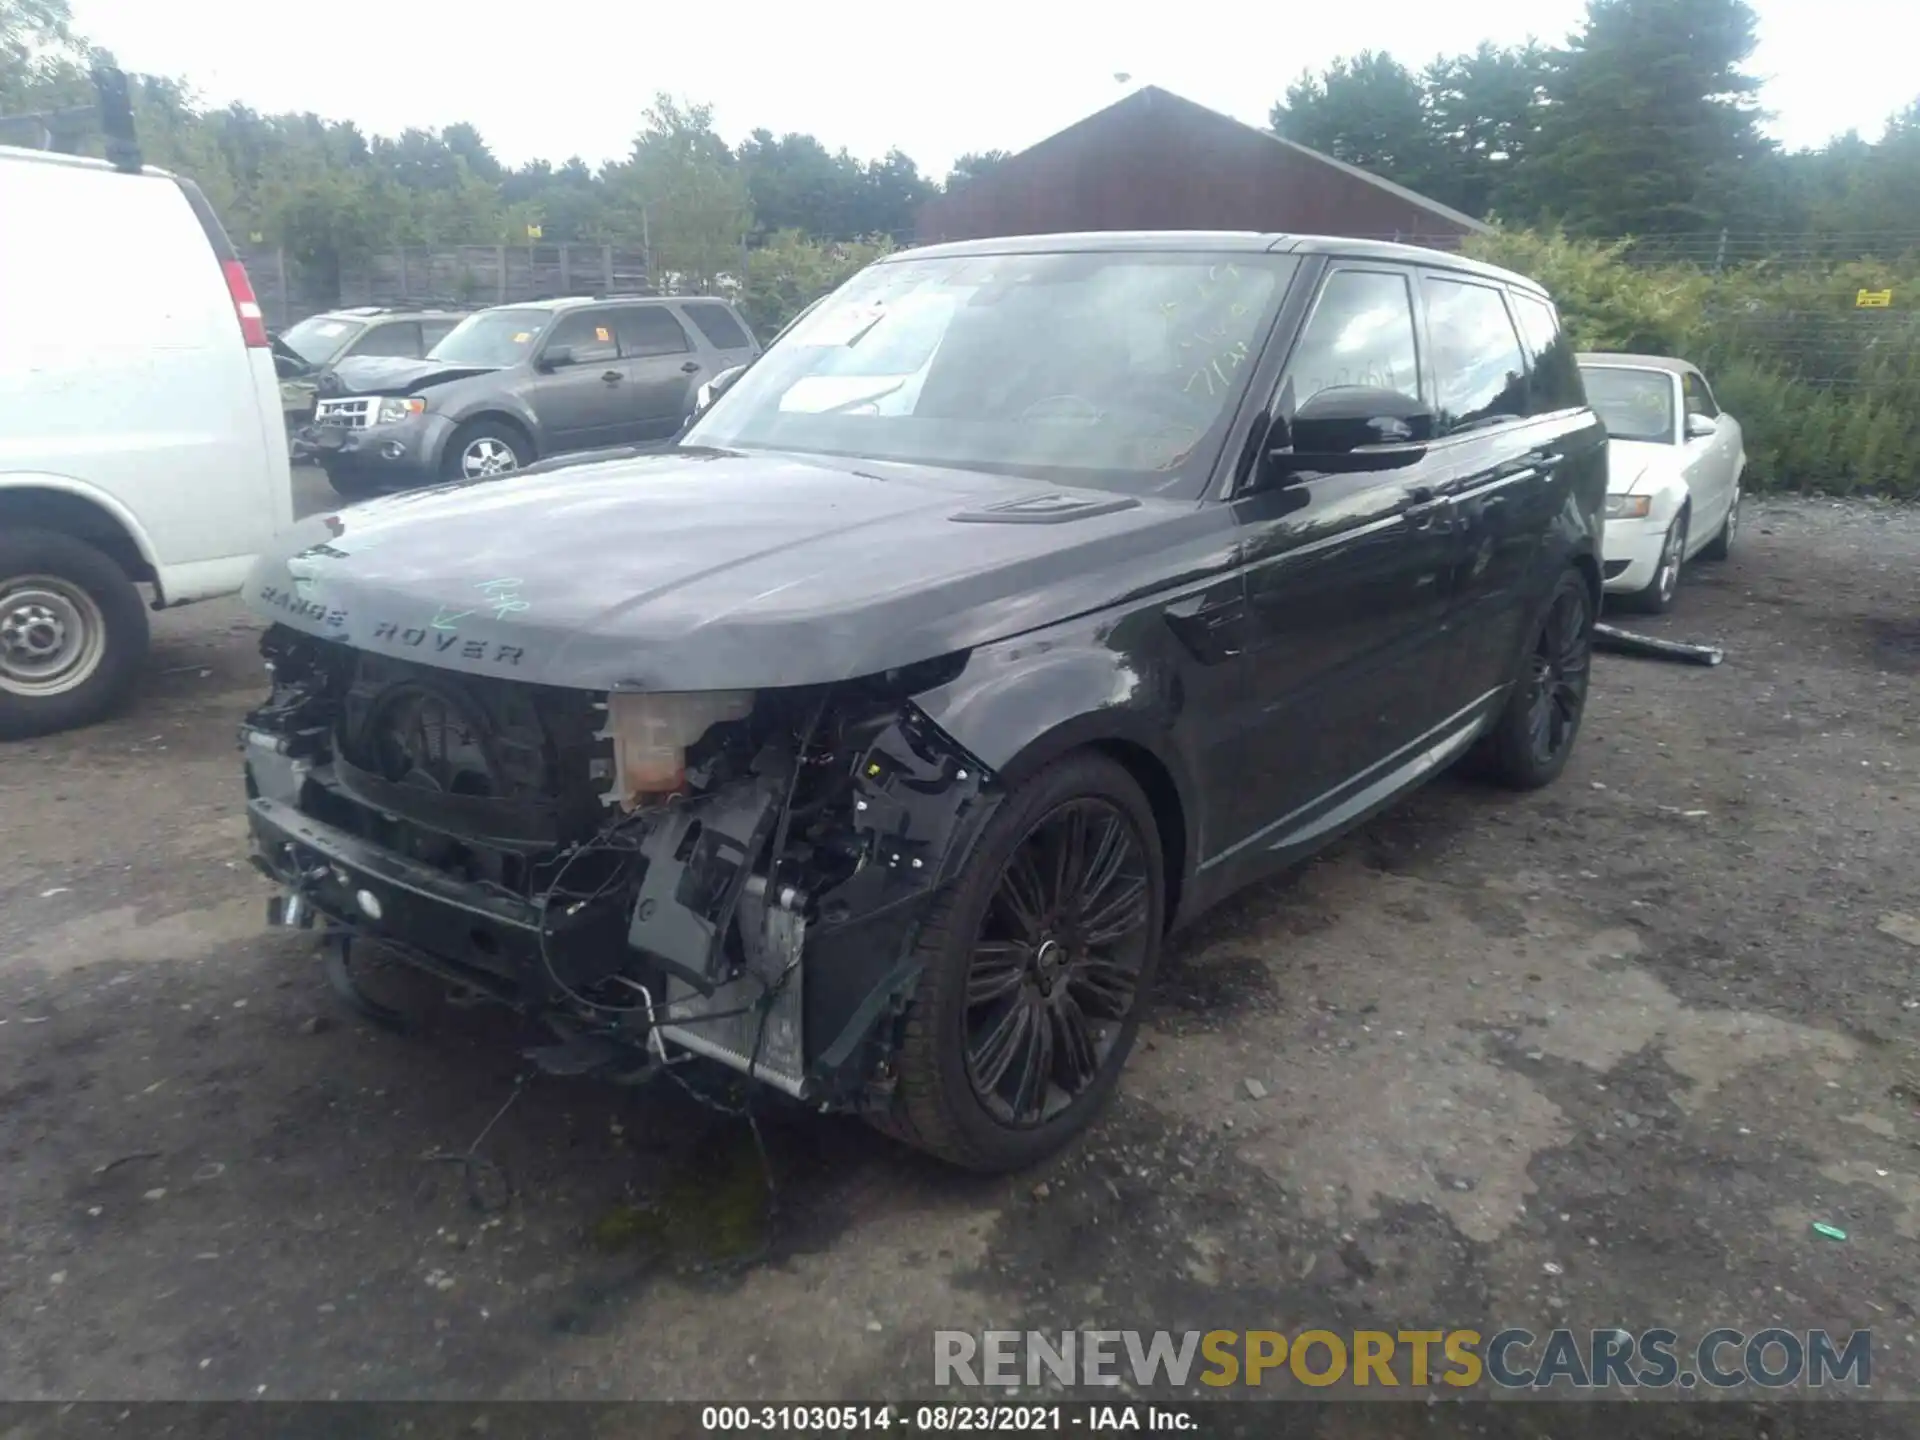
{"x": 738, "y": 876}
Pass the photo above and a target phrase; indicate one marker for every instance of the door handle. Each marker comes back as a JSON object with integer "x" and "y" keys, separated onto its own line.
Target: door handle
{"x": 612, "y": 377}
{"x": 1418, "y": 495}
{"x": 690, "y": 367}
{"x": 1546, "y": 458}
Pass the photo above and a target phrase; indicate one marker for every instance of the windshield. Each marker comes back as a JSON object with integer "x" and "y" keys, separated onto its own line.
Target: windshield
{"x": 1114, "y": 369}
{"x": 319, "y": 338}
{"x": 1632, "y": 404}
{"x": 493, "y": 337}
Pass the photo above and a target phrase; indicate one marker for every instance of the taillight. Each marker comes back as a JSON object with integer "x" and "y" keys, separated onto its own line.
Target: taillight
{"x": 253, "y": 325}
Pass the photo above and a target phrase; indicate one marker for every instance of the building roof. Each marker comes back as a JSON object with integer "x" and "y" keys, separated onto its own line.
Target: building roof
{"x": 1153, "y": 95}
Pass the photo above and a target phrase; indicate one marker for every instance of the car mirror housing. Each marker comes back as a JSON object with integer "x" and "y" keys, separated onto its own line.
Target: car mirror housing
{"x": 556, "y": 357}
{"x": 1701, "y": 427}
{"x": 1350, "y": 428}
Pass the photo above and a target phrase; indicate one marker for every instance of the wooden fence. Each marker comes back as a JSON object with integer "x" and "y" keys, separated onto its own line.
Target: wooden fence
{"x": 453, "y": 274}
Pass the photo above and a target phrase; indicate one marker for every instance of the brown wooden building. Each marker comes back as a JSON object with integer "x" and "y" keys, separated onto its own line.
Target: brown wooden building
{"x": 1155, "y": 161}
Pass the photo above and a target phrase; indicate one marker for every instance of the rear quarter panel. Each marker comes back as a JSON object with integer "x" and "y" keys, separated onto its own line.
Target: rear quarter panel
{"x": 123, "y": 368}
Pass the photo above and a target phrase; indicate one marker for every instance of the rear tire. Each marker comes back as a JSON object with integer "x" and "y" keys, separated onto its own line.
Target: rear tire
{"x": 73, "y": 633}
{"x": 1549, "y": 691}
{"x": 1014, "y": 1041}
{"x": 1721, "y": 545}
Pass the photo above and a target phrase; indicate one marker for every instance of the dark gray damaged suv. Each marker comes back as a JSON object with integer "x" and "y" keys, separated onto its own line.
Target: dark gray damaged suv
{"x": 519, "y": 383}
{"x": 1023, "y": 601}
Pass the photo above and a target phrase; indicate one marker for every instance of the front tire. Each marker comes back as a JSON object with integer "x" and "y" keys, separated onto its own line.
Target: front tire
{"x": 1657, "y": 596}
{"x": 1529, "y": 744}
{"x": 73, "y": 633}
{"x": 485, "y": 449}
{"x": 1036, "y": 964}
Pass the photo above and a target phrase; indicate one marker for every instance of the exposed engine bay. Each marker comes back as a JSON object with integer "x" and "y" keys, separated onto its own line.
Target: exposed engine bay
{"x": 733, "y": 875}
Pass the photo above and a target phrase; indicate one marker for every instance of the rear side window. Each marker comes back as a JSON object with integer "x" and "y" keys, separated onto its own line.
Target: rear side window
{"x": 1361, "y": 333}
{"x": 716, "y": 322}
{"x": 398, "y": 339}
{"x": 646, "y": 330}
{"x": 1477, "y": 362}
{"x": 1554, "y": 378}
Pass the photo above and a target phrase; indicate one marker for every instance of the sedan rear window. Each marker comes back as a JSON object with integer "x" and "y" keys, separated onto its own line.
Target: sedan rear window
{"x": 1632, "y": 404}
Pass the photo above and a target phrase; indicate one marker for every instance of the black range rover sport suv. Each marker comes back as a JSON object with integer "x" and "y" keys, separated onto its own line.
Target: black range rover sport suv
{"x": 1026, "y": 598}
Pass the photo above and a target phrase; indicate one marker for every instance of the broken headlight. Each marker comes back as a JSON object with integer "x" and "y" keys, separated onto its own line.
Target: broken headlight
{"x": 651, "y": 733}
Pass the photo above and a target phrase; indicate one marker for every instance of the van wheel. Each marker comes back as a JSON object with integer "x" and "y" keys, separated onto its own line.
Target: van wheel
{"x": 73, "y": 633}
{"x": 1036, "y": 965}
{"x": 484, "y": 449}
{"x": 1529, "y": 743}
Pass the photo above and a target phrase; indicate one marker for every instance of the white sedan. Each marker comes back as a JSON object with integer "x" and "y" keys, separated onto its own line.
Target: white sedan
{"x": 1674, "y": 461}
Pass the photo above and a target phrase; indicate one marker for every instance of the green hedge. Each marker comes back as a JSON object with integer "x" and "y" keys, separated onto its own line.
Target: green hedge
{"x": 1828, "y": 394}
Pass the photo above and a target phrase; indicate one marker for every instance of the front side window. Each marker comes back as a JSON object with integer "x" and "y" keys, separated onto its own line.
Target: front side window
{"x": 1360, "y": 334}
{"x": 1699, "y": 398}
{"x": 1554, "y": 375}
{"x": 493, "y": 338}
{"x": 1632, "y": 404}
{"x": 401, "y": 339}
{"x": 1112, "y": 368}
{"x": 1477, "y": 365}
{"x": 588, "y": 334}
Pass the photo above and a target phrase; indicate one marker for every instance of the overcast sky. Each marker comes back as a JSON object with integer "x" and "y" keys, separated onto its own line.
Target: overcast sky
{"x": 556, "y": 79}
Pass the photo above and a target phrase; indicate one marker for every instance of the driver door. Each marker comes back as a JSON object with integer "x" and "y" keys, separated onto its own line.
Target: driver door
{"x": 576, "y": 402}
{"x": 1710, "y": 460}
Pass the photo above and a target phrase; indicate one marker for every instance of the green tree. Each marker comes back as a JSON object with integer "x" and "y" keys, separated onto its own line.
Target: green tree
{"x": 1650, "y": 121}
{"x": 1369, "y": 111}
{"x": 1482, "y": 111}
{"x": 682, "y": 190}
{"x": 974, "y": 164}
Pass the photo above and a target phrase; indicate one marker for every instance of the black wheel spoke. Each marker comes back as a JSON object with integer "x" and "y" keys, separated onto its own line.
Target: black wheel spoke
{"x": 1078, "y": 1056}
{"x": 1123, "y": 914}
{"x": 998, "y": 968}
{"x": 996, "y": 1051}
{"x": 1023, "y": 894}
{"x": 1103, "y": 988}
{"x": 1035, "y": 1075}
{"x": 1054, "y": 975}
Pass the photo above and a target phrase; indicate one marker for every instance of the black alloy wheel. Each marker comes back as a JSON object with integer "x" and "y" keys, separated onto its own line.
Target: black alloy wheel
{"x": 1035, "y": 965}
{"x": 1557, "y": 676}
{"x": 1055, "y": 972}
{"x": 1529, "y": 741}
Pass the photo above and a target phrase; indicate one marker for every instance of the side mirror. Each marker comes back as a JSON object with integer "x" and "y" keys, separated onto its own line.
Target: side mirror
{"x": 1352, "y": 428}
{"x": 556, "y": 357}
{"x": 1701, "y": 427}
{"x": 704, "y": 397}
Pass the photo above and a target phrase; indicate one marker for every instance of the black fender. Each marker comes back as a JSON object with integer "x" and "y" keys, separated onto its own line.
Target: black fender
{"x": 1020, "y": 704}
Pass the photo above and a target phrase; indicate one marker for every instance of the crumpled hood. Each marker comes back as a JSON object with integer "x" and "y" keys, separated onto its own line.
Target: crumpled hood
{"x": 1635, "y": 466}
{"x": 391, "y": 375}
{"x": 699, "y": 570}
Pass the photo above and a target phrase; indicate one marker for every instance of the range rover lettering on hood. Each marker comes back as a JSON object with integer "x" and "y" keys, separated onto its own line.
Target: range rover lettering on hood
{"x": 705, "y": 570}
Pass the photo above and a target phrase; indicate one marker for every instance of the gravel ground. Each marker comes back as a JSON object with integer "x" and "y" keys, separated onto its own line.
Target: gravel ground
{"x": 1596, "y": 1056}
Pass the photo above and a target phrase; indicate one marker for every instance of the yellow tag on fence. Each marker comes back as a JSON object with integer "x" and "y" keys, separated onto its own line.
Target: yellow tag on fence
{"x": 1873, "y": 299}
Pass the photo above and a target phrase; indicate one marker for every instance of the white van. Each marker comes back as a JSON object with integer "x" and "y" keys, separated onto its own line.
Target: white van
{"x": 141, "y": 441}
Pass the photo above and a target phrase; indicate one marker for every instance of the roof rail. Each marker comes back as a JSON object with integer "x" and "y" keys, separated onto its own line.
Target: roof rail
{"x": 627, "y": 295}
{"x": 65, "y": 131}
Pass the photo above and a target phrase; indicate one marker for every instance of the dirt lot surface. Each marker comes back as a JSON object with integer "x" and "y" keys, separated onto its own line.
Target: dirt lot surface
{"x": 1596, "y": 1056}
